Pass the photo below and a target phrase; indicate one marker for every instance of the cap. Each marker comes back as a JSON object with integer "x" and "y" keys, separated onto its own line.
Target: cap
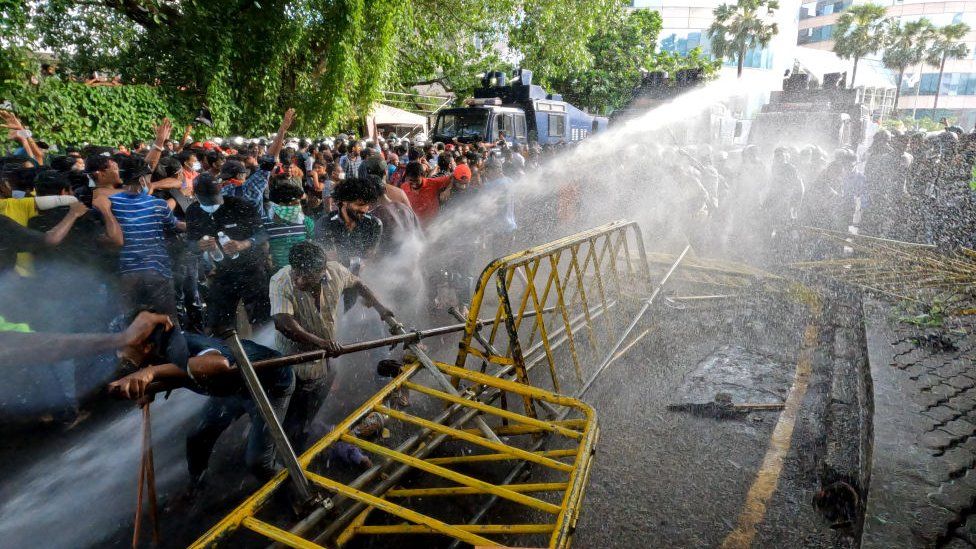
{"x": 132, "y": 168}
{"x": 232, "y": 169}
{"x": 462, "y": 171}
{"x": 207, "y": 189}
{"x": 375, "y": 165}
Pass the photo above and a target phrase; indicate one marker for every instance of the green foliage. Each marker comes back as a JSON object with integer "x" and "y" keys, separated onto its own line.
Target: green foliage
{"x": 906, "y": 46}
{"x": 623, "y": 48}
{"x": 15, "y": 62}
{"x": 860, "y": 31}
{"x": 72, "y": 113}
{"x": 248, "y": 60}
{"x": 932, "y": 317}
{"x": 742, "y": 26}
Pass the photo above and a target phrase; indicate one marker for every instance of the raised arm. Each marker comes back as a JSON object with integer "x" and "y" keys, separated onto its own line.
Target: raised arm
{"x": 279, "y": 140}
{"x": 21, "y": 135}
{"x": 59, "y": 232}
{"x": 163, "y": 130}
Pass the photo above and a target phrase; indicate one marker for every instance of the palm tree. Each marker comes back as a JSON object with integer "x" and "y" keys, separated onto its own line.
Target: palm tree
{"x": 742, "y": 26}
{"x": 906, "y": 46}
{"x": 946, "y": 45}
{"x": 859, "y": 32}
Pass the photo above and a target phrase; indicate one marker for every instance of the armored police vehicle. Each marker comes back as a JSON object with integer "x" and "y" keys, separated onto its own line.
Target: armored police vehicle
{"x": 516, "y": 111}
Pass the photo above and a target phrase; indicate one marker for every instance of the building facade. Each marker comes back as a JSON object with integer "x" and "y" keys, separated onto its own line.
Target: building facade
{"x": 685, "y": 27}
{"x": 957, "y": 96}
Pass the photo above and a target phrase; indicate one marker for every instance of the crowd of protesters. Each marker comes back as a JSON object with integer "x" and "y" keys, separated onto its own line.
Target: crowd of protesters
{"x": 127, "y": 265}
{"x": 754, "y": 204}
{"x": 142, "y": 257}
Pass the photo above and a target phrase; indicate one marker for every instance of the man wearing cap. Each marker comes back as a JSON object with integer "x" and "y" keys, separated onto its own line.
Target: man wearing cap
{"x": 241, "y": 274}
{"x": 144, "y": 264}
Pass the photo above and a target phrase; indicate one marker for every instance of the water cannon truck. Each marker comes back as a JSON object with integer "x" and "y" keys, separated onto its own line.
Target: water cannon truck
{"x": 829, "y": 115}
{"x": 517, "y": 109}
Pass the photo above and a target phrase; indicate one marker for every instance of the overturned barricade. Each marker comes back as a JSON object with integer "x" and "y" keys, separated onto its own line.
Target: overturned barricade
{"x": 485, "y": 424}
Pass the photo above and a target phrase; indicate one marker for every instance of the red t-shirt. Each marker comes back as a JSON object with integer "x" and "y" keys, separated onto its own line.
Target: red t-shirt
{"x": 424, "y": 200}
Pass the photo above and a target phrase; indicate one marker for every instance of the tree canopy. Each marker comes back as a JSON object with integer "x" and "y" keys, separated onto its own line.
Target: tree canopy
{"x": 622, "y": 49}
{"x": 859, "y": 32}
{"x": 249, "y": 59}
{"x": 905, "y": 46}
{"x": 742, "y": 26}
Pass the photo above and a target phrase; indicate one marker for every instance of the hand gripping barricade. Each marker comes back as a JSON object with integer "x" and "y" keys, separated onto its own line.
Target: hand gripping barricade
{"x": 562, "y": 303}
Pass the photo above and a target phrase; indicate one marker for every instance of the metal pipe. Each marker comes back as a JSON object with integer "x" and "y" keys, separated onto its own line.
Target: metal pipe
{"x": 308, "y": 356}
{"x": 633, "y": 323}
{"x": 439, "y": 376}
{"x": 283, "y": 447}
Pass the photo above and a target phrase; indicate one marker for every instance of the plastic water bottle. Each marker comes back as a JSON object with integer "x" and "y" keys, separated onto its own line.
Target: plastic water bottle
{"x": 224, "y": 239}
{"x": 216, "y": 254}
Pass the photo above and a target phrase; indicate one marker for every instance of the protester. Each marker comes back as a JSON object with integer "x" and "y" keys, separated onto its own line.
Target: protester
{"x": 230, "y": 231}
{"x": 305, "y": 298}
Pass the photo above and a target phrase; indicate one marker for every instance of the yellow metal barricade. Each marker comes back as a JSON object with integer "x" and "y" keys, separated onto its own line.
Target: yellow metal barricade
{"x": 561, "y": 304}
{"x": 408, "y": 510}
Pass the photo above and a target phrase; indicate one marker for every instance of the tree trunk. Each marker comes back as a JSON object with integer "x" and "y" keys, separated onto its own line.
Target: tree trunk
{"x": 938, "y": 84}
{"x": 742, "y": 60}
{"x": 854, "y": 73}
{"x": 894, "y": 108}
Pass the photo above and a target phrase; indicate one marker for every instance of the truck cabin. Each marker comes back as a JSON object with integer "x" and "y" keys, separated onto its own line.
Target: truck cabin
{"x": 481, "y": 122}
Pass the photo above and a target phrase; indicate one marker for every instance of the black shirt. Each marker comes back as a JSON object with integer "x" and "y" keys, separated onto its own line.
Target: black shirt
{"x": 361, "y": 241}
{"x": 82, "y": 246}
{"x": 274, "y": 380}
{"x": 15, "y": 238}
{"x": 239, "y": 220}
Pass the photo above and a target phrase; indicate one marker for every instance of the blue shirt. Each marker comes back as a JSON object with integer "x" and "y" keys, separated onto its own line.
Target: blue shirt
{"x": 251, "y": 190}
{"x": 143, "y": 219}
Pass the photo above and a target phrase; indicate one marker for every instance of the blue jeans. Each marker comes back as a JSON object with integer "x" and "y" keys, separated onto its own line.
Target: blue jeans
{"x": 221, "y": 412}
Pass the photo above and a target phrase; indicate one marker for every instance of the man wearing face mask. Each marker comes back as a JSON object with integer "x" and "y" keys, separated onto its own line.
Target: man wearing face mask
{"x": 144, "y": 263}
{"x": 241, "y": 274}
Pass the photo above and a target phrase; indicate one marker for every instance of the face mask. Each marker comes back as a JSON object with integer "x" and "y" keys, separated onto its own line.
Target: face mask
{"x": 340, "y": 176}
{"x": 210, "y": 209}
{"x": 18, "y": 194}
{"x": 195, "y": 166}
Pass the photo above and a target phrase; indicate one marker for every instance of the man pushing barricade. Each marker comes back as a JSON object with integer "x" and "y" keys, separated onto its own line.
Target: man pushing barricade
{"x": 305, "y": 299}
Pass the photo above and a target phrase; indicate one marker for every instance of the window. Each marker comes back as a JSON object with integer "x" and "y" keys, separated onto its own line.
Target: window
{"x": 506, "y": 123}
{"x": 557, "y": 125}
{"x": 520, "y": 126}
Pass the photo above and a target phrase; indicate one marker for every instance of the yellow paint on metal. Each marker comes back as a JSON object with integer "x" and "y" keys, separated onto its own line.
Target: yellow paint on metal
{"x": 764, "y": 485}
{"x": 277, "y": 534}
{"x": 544, "y": 425}
{"x": 496, "y": 457}
{"x": 480, "y": 441}
{"x": 533, "y": 282}
{"x": 453, "y": 475}
{"x": 474, "y": 528}
{"x": 400, "y": 511}
{"x": 468, "y": 491}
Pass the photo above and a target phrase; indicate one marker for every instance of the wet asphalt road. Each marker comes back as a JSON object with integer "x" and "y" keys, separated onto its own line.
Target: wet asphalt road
{"x": 674, "y": 479}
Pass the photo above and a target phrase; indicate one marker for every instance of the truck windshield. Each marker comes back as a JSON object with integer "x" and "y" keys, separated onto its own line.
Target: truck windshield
{"x": 462, "y": 124}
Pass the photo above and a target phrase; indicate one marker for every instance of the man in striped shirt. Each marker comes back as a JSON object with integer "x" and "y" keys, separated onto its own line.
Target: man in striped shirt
{"x": 144, "y": 263}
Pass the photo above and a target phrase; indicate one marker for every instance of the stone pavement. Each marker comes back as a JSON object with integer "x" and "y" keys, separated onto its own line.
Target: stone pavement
{"x": 923, "y": 485}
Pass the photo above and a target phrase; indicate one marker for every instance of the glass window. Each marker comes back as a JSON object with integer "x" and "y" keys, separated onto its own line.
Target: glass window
{"x": 461, "y": 123}
{"x": 520, "y": 125}
{"x": 557, "y": 125}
